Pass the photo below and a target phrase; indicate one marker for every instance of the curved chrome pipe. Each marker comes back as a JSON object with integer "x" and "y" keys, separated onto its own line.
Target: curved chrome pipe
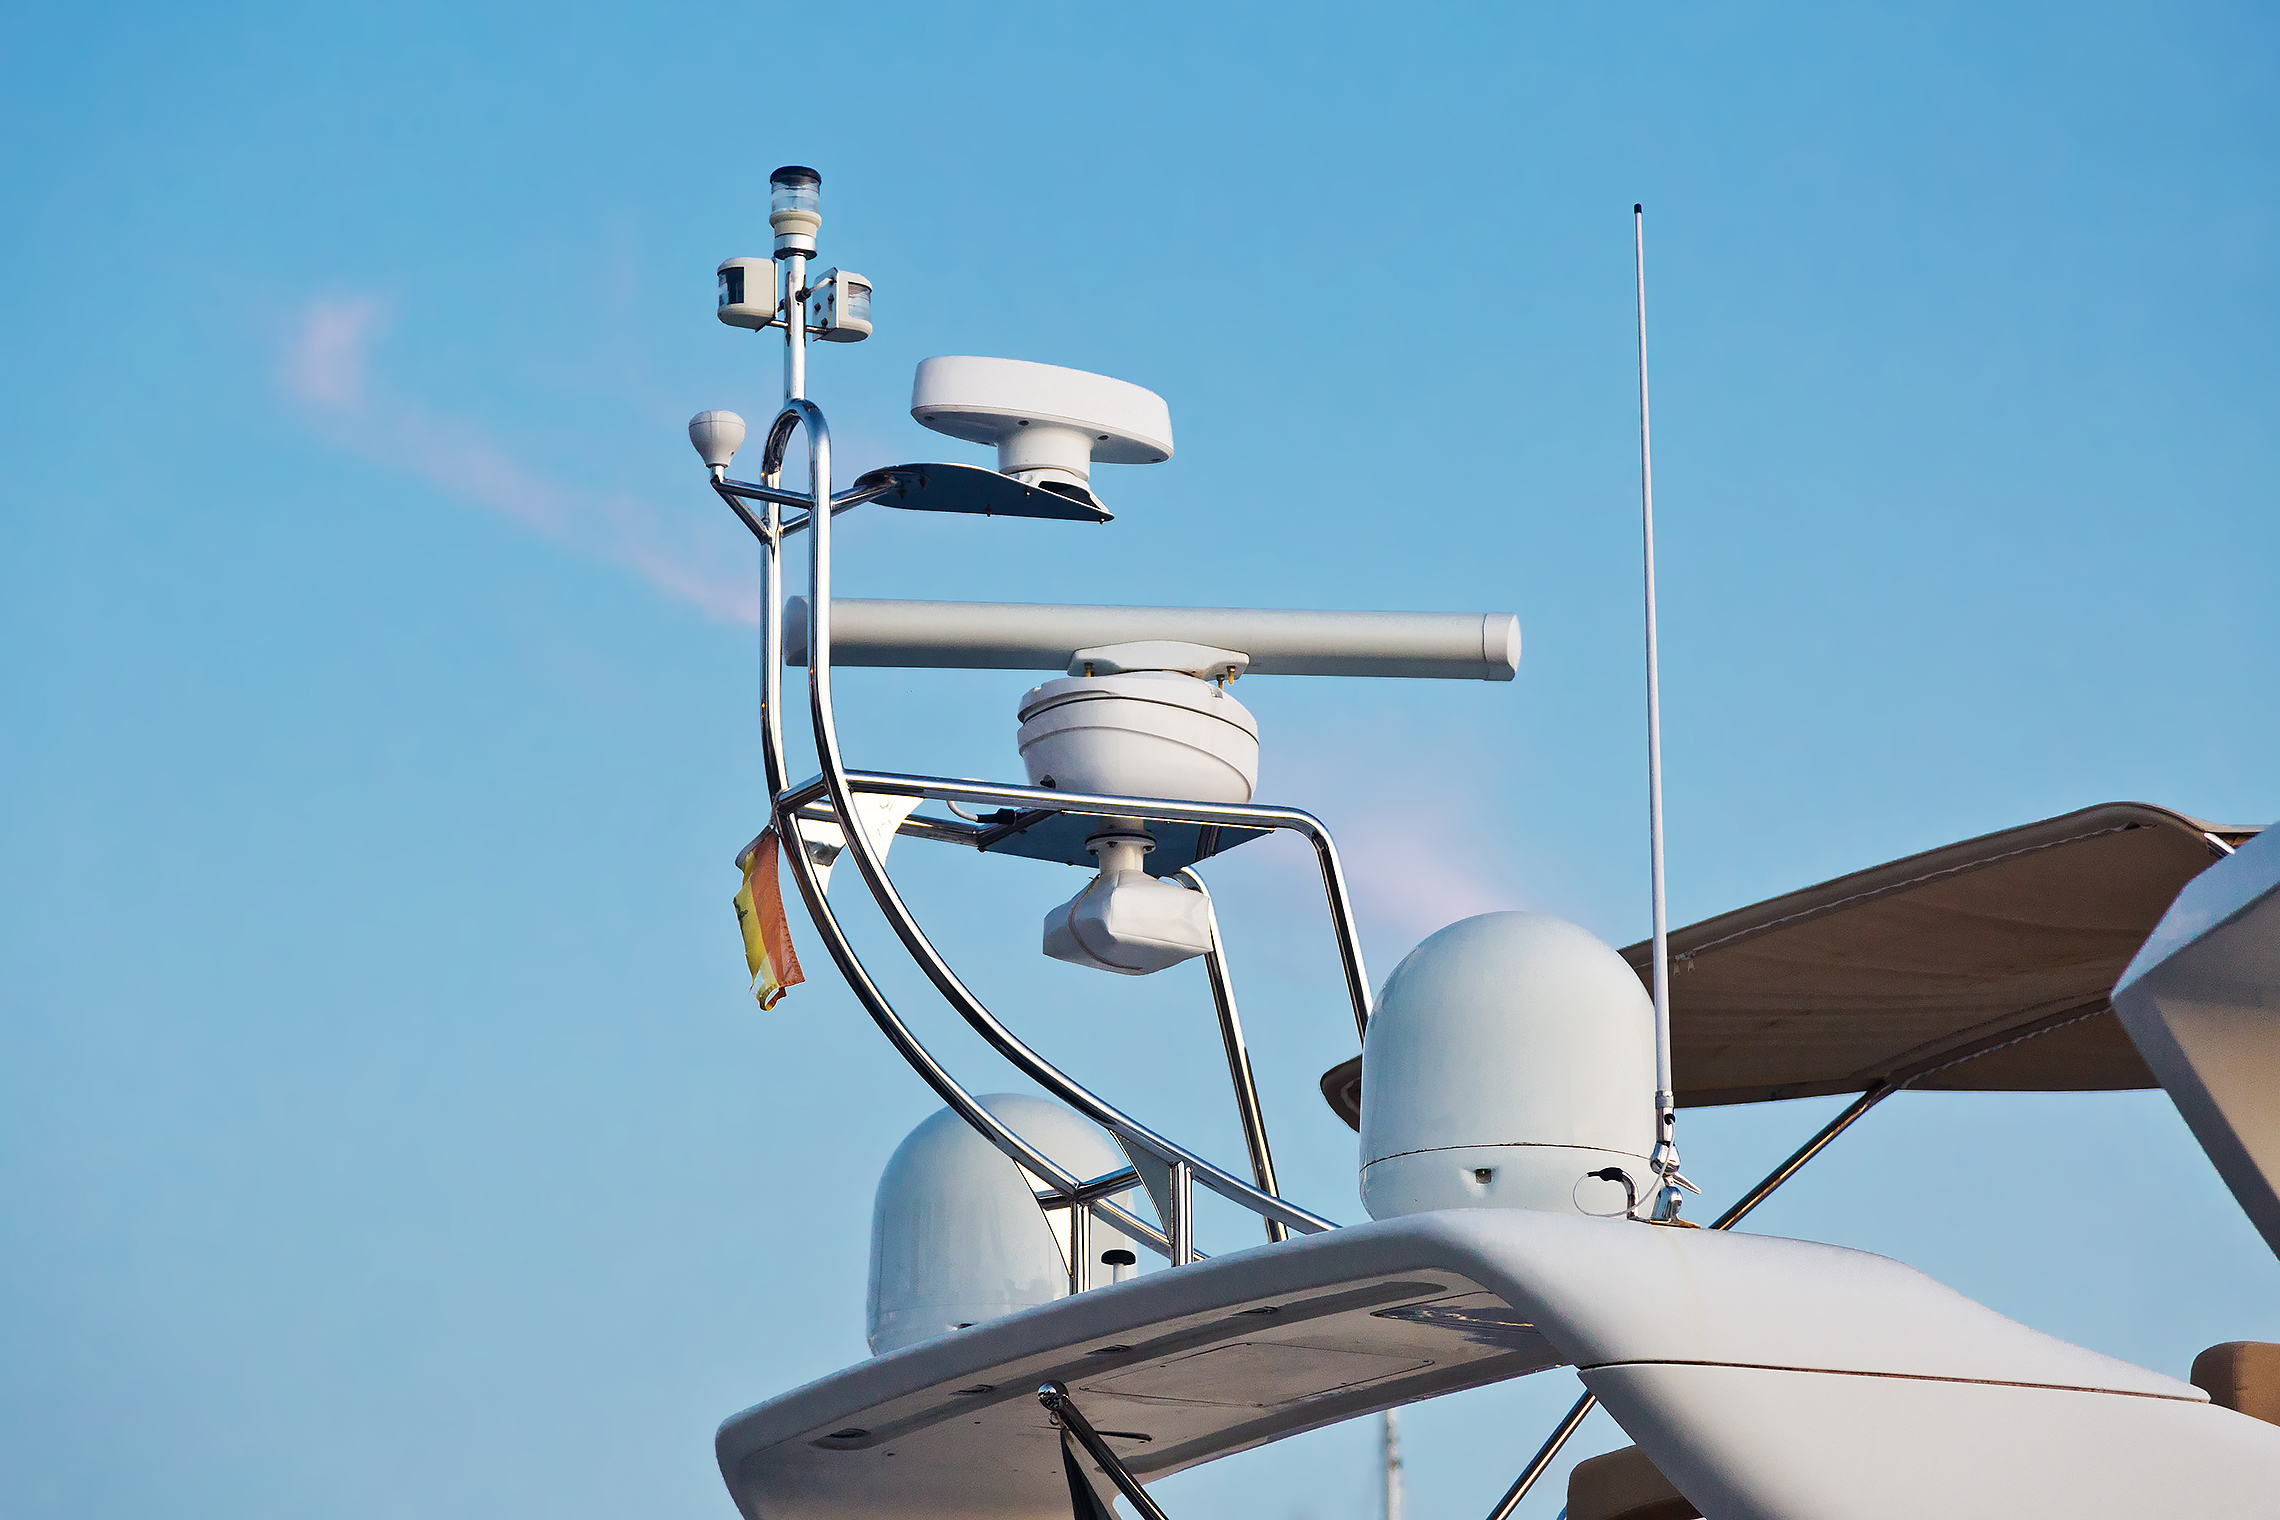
{"x": 1238, "y": 1054}
{"x": 1227, "y": 814}
{"x": 797, "y": 414}
{"x": 946, "y": 1087}
{"x": 843, "y": 955}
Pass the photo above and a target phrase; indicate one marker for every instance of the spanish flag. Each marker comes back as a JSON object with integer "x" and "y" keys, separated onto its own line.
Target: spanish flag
{"x": 760, "y": 914}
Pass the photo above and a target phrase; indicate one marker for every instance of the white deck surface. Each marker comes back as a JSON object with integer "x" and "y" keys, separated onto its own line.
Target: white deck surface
{"x": 1718, "y": 1352}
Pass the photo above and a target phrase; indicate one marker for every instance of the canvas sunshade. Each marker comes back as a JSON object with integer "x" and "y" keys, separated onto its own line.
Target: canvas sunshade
{"x": 1981, "y": 966}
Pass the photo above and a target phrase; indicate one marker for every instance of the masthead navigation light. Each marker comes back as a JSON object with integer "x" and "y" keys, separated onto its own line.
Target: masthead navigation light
{"x": 795, "y": 210}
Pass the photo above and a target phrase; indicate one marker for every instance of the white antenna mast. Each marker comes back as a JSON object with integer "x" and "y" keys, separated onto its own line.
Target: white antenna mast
{"x": 1390, "y": 1452}
{"x": 1665, "y": 1157}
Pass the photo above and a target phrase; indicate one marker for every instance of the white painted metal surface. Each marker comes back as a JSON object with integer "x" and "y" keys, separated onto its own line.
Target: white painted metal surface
{"x": 1199, "y": 660}
{"x": 1510, "y": 1056}
{"x": 839, "y": 307}
{"x": 1127, "y": 921}
{"x": 1771, "y": 1379}
{"x": 1450, "y": 646}
{"x": 1770, "y": 1443}
{"x": 2202, "y": 1003}
{"x": 825, "y": 841}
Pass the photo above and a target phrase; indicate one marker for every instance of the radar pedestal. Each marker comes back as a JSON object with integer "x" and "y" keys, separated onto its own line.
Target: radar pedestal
{"x": 1138, "y": 720}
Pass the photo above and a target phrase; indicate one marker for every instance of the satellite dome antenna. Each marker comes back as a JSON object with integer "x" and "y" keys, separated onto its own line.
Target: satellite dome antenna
{"x": 1664, "y": 1159}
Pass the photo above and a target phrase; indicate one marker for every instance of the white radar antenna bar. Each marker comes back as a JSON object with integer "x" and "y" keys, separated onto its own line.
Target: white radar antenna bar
{"x": 1665, "y": 1156}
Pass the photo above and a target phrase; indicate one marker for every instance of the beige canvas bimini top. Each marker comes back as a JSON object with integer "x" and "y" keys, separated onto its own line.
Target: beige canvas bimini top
{"x": 1982, "y": 966}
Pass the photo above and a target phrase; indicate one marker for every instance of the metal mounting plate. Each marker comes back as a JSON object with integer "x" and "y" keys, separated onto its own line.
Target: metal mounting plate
{"x": 972, "y": 489}
{"x": 1038, "y": 835}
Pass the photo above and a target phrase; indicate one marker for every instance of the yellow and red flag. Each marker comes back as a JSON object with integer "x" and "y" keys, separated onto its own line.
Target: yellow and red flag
{"x": 767, "y": 937}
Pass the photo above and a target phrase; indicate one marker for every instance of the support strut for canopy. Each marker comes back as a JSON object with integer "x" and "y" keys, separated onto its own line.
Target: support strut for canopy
{"x": 1726, "y": 1221}
{"x": 1057, "y": 1403}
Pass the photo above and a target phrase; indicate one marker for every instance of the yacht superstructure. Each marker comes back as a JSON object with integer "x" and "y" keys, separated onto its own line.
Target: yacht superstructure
{"x": 1514, "y": 1087}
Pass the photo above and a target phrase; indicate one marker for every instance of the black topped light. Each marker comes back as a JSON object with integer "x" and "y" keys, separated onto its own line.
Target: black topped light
{"x": 795, "y": 209}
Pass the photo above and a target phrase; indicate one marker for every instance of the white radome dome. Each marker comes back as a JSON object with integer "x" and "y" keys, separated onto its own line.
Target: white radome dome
{"x": 956, "y": 1234}
{"x": 1510, "y": 1056}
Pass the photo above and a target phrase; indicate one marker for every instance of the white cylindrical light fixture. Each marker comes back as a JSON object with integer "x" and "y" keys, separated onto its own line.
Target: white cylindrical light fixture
{"x": 747, "y": 292}
{"x": 795, "y": 209}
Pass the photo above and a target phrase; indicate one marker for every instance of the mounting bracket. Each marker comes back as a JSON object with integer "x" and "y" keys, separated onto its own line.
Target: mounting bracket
{"x": 1055, "y": 1398}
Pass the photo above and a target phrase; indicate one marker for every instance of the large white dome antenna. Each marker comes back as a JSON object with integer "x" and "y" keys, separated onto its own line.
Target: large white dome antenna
{"x": 1048, "y": 424}
{"x": 1506, "y": 1065}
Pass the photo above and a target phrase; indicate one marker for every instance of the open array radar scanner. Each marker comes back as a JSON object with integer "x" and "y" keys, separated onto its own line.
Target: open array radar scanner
{"x": 1050, "y": 1335}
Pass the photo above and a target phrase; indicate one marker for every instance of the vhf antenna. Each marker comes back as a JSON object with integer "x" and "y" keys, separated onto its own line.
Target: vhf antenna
{"x": 1664, "y": 1161}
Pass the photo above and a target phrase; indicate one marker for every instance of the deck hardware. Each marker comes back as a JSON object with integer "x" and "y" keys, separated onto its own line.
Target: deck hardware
{"x": 1080, "y": 1247}
{"x": 1056, "y": 1400}
{"x": 1630, "y": 1188}
{"x": 1181, "y": 1226}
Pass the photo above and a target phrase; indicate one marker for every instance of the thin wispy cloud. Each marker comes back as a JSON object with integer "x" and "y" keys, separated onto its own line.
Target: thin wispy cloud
{"x": 325, "y": 365}
{"x": 326, "y": 370}
{"x": 1415, "y": 860}
{"x": 1419, "y": 869}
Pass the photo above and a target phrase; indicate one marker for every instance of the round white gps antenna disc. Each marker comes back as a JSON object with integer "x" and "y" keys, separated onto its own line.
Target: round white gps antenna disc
{"x": 1048, "y": 424}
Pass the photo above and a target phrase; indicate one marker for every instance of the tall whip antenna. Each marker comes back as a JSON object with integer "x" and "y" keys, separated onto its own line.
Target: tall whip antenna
{"x": 1665, "y": 1157}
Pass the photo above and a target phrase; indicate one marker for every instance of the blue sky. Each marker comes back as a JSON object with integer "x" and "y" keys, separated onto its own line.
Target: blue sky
{"x": 384, "y": 1127}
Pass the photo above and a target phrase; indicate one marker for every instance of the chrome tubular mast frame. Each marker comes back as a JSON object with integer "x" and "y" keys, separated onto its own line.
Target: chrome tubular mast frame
{"x": 835, "y": 788}
{"x": 1238, "y": 1055}
{"x": 815, "y": 790}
